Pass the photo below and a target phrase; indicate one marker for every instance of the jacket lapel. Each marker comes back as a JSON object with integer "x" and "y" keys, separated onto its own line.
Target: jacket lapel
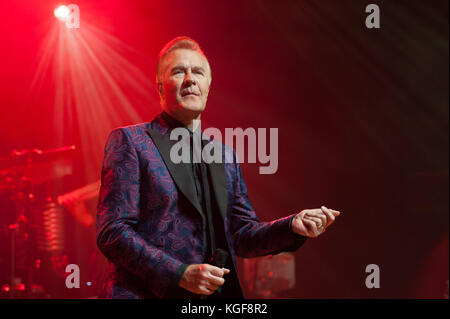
{"x": 179, "y": 172}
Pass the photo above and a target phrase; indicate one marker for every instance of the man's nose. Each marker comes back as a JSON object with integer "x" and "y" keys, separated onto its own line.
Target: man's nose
{"x": 189, "y": 79}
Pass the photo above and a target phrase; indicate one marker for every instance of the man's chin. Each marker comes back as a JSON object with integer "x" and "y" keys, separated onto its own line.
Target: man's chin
{"x": 195, "y": 109}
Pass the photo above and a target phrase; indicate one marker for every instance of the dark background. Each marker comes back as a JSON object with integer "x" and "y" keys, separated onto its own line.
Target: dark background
{"x": 362, "y": 116}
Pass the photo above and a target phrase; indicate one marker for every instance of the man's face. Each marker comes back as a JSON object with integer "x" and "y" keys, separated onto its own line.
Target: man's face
{"x": 184, "y": 83}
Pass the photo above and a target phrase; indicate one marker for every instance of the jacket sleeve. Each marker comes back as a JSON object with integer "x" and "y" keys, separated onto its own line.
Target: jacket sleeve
{"x": 118, "y": 215}
{"x": 252, "y": 238}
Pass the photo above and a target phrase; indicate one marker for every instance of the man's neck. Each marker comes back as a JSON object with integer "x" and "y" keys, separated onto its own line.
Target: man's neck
{"x": 191, "y": 123}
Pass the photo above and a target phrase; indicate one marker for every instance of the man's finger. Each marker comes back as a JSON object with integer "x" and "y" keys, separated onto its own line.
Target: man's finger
{"x": 211, "y": 287}
{"x": 330, "y": 216}
{"x": 216, "y": 271}
{"x": 334, "y": 212}
{"x": 309, "y": 222}
{"x": 318, "y": 221}
{"x": 324, "y": 218}
{"x": 205, "y": 291}
{"x": 312, "y": 229}
{"x": 314, "y": 212}
{"x": 216, "y": 281}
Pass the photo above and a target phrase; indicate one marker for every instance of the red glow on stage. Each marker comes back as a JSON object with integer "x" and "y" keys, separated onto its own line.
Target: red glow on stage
{"x": 6, "y": 288}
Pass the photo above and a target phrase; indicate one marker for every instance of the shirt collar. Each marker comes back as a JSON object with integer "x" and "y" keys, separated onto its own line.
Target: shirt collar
{"x": 173, "y": 123}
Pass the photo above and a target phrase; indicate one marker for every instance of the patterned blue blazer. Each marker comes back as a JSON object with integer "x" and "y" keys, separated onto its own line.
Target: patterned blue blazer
{"x": 149, "y": 222}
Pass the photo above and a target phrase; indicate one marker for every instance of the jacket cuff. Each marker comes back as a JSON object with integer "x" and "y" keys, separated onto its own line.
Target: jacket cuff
{"x": 174, "y": 291}
{"x": 179, "y": 273}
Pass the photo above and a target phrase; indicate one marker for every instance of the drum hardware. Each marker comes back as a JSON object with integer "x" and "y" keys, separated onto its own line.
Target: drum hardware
{"x": 20, "y": 173}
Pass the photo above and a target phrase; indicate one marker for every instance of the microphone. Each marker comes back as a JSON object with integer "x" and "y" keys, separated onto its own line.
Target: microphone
{"x": 219, "y": 259}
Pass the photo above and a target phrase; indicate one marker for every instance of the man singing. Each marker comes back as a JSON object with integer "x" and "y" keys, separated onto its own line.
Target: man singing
{"x": 160, "y": 223}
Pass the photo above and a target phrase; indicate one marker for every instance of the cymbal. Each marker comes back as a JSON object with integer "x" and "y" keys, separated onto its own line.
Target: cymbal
{"x": 27, "y": 156}
{"x": 34, "y": 166}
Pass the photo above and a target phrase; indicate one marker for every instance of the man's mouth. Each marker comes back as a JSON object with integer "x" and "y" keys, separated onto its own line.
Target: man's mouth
{"x": 187, "y": 93}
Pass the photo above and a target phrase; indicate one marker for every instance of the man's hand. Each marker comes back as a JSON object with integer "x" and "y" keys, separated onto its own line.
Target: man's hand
{"x": 203, "y": 278}
{"x": 313, "y": 222}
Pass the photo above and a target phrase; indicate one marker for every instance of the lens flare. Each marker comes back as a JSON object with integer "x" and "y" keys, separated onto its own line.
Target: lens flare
{"x": 62, "y": 12}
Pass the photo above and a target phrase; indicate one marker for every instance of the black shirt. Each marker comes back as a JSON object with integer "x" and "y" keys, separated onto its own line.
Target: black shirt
{"x": 215, "y": 232}
{"x": 201, "y": 177}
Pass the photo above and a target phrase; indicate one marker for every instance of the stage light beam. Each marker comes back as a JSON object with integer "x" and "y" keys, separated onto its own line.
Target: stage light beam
{"x": 92, "y": 78}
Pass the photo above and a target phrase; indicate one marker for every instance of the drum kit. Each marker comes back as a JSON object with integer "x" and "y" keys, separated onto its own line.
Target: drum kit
{"x": 32, "y": 222}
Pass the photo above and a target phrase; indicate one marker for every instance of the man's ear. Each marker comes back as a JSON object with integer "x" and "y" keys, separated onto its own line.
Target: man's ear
{"x": 161, "y": 93}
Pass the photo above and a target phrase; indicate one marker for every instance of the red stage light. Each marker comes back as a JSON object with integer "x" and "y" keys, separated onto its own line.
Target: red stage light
{"x": 62, "y": 12}
{"x": 5, "y": 288}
